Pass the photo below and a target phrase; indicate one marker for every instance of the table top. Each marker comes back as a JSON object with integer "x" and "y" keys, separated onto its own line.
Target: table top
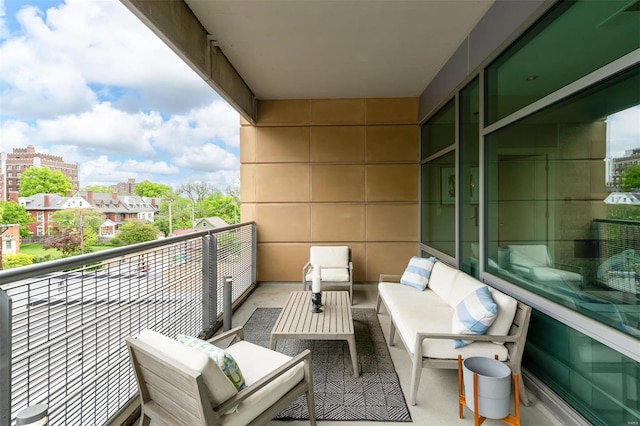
{"x": 297, "y": 320}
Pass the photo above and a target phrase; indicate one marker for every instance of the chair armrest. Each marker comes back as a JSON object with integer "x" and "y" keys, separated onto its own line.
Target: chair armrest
{"x": 474, "y": 337}
{"x": 306, "y": 268}
{"x": 237, "y": 332}
{"x": 389, "y": 278}
{"x": 304, "y": 356}
{"x": 350, "y": 265}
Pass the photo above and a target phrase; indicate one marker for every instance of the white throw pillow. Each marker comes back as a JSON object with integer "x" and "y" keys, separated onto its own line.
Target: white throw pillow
{"x": 418, "y": 272}
{"x": 473, "y": 315}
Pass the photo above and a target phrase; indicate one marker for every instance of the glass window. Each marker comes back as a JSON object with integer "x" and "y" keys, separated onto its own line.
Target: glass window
{"x": 439, "y": 203}
{"x": 39, "y": 216}
{"x": 588, "y": 36}
{"x": 439, "y": 132}
{"x": 469, "y": 178}
{"x": 557, "y": 225}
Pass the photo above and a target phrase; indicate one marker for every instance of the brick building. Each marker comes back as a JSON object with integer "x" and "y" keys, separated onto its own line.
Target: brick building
{"x": 13, "y": 164}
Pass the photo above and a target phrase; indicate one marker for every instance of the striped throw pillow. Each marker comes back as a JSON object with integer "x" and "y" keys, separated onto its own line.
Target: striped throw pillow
{"x": 225, "y": 361}
{"x": 418, "y": 272}
{"x": 473, "y": 315}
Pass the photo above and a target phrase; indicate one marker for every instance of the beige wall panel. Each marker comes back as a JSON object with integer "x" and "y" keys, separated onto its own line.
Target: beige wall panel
{"x": 282, "y": 144}
{"x": 392, "y": 110}
{"x": 248, "y": 183}
{"x": 283, "y": 222}
{"x": 244, "y": 122}
{"x": 281, "y": 262}
{"x": 337, "y": 111}
{"x": 247, "y": 144}
{"x": 388, "y": 258}
{"x": 392, "y": 182}
{"x": 337, "y": 183}
{"x": 392, "y": 222}
{"x": 331, "y": 144}
{"x": 392, "y": 143}
{"x": 247, "y": 212}
{"x": 283, "y": 112}
{"x": 337, "y": 222}
{"x": 282, "y": 183}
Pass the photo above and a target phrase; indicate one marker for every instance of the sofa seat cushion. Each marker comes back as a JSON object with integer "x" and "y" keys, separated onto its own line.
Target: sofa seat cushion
{"x": 331, "y": 275}
{"x": 245, "y": 354}
{"x": 404, "y": 300}
{"x": 438, "y": 320}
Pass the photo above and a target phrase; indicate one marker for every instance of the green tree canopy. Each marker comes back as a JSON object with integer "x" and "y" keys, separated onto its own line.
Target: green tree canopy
{"x": 86, "y": 221}
{"x": 630, "y": 178}
{"x": 151, "y": 189}
{"x": 43, "y": 180}
{"x": 13, "y": 213}
{"x": 135, "y": 232}
{"x": 181, "y": 214}
{"x": 223, "y": 206}
{"x": 98, "y": 188}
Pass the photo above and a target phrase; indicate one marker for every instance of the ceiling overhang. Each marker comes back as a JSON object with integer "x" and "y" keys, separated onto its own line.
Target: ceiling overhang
{"x": 278, "y": 49}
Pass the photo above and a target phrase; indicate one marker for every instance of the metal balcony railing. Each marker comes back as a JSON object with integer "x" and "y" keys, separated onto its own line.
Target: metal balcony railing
{"x": 63, "y": 323}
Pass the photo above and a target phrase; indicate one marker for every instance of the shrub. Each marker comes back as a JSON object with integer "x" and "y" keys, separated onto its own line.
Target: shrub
{"x": 15, "y": 260}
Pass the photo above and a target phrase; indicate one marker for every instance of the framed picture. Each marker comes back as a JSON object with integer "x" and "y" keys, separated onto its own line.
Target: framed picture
{"x": 448, "y": 191}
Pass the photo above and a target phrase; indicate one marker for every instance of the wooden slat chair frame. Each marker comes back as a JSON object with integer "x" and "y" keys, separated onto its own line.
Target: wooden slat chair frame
{"x": 172, "y": 393}
{"x": 308, "y": 267}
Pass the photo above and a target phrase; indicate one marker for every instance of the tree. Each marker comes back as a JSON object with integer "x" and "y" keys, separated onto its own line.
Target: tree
{"x": 98, "y": 188}
{"x": 181, "y": 214}
{"x": 630, "y": 178}
{"x": 135, "y": 232}
{"x": 86, "y": 221}
{"x": 43, "y": 180}
{"x": 68, "y": 241}
{"x": 151, "y": 189}
{"x": 13, "y": 213}
{"x": 223, "y": 206}
{"x": 197, "y": 191}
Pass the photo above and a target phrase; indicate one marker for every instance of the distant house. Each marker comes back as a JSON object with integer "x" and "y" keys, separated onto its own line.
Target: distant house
{"x": 41, "y": 207}
{"x": 626, "y": 198}
{"x": 10, "y": 238}
{"x": 209, "y": 223}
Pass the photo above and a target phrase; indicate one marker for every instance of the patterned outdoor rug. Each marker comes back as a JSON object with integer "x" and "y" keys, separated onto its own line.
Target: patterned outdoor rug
{"x": 374, "y": 396}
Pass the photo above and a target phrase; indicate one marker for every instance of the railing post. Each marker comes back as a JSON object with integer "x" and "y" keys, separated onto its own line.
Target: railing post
{"x": 5, "y": 358}
{"x": 209, "y": 282}
{"x": 254, "y": 253}
{"x": 227, "y": 294}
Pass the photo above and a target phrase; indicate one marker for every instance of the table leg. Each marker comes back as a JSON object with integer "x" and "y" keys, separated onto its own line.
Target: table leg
{"x": 354, "y": 355}
{"x": 272, "y": 343}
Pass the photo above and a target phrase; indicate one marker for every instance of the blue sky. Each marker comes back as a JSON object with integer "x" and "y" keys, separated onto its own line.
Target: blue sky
{"x": 85, "y": 79}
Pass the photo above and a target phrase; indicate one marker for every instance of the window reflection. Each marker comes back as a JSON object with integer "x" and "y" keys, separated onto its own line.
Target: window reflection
{"x": 563, "y": 202}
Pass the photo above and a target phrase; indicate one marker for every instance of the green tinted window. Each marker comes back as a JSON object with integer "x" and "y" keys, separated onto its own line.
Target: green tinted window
{"x": 574, "y": 39}
{"x": 439, "y": 132}
{"x": 439, "y": 203}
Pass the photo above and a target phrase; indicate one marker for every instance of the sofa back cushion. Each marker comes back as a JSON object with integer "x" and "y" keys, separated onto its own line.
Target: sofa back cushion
{"x": 329, "y": 256}
{"x": 507, "y": 307}
{"x": 219, "y": 386}
{"x": 530, "y": 256}
{"x": 441, "y": 279}
{"x": 461, "y": 287}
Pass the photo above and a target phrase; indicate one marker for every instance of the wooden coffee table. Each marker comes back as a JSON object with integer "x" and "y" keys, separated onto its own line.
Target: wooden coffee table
{"x": 296, "y": 321}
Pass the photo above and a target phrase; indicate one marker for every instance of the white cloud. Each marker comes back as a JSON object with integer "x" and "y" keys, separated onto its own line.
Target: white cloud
{"x": 102, "y": 171}
{"x": 623, "y": 131}
{"x": 4, "y": 31}
{"x": 207, "y": 158}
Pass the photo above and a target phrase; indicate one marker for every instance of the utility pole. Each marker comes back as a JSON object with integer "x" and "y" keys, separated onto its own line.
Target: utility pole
{"x": 170, "y": 221}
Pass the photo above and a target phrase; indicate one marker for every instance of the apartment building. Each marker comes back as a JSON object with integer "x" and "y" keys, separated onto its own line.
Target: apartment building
{"x": 13, "y": 164}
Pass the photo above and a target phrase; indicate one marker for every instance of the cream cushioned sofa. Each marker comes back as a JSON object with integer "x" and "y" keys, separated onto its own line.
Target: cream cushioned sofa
{"x": 423, "y": 319}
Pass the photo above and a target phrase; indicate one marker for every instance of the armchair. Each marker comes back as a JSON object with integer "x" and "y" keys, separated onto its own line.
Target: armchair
{"x": 534, "y": 263}
{"x": 180, "y": 385}
{"x": 335, "y": 266}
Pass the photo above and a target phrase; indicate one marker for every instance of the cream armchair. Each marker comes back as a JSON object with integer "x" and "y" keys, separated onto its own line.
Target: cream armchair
{"x": 180, "y": 385}
{"x": 335, "y": 266}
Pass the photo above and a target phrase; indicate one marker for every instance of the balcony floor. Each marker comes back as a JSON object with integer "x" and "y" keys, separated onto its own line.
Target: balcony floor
{"x": 438, "y": 393}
